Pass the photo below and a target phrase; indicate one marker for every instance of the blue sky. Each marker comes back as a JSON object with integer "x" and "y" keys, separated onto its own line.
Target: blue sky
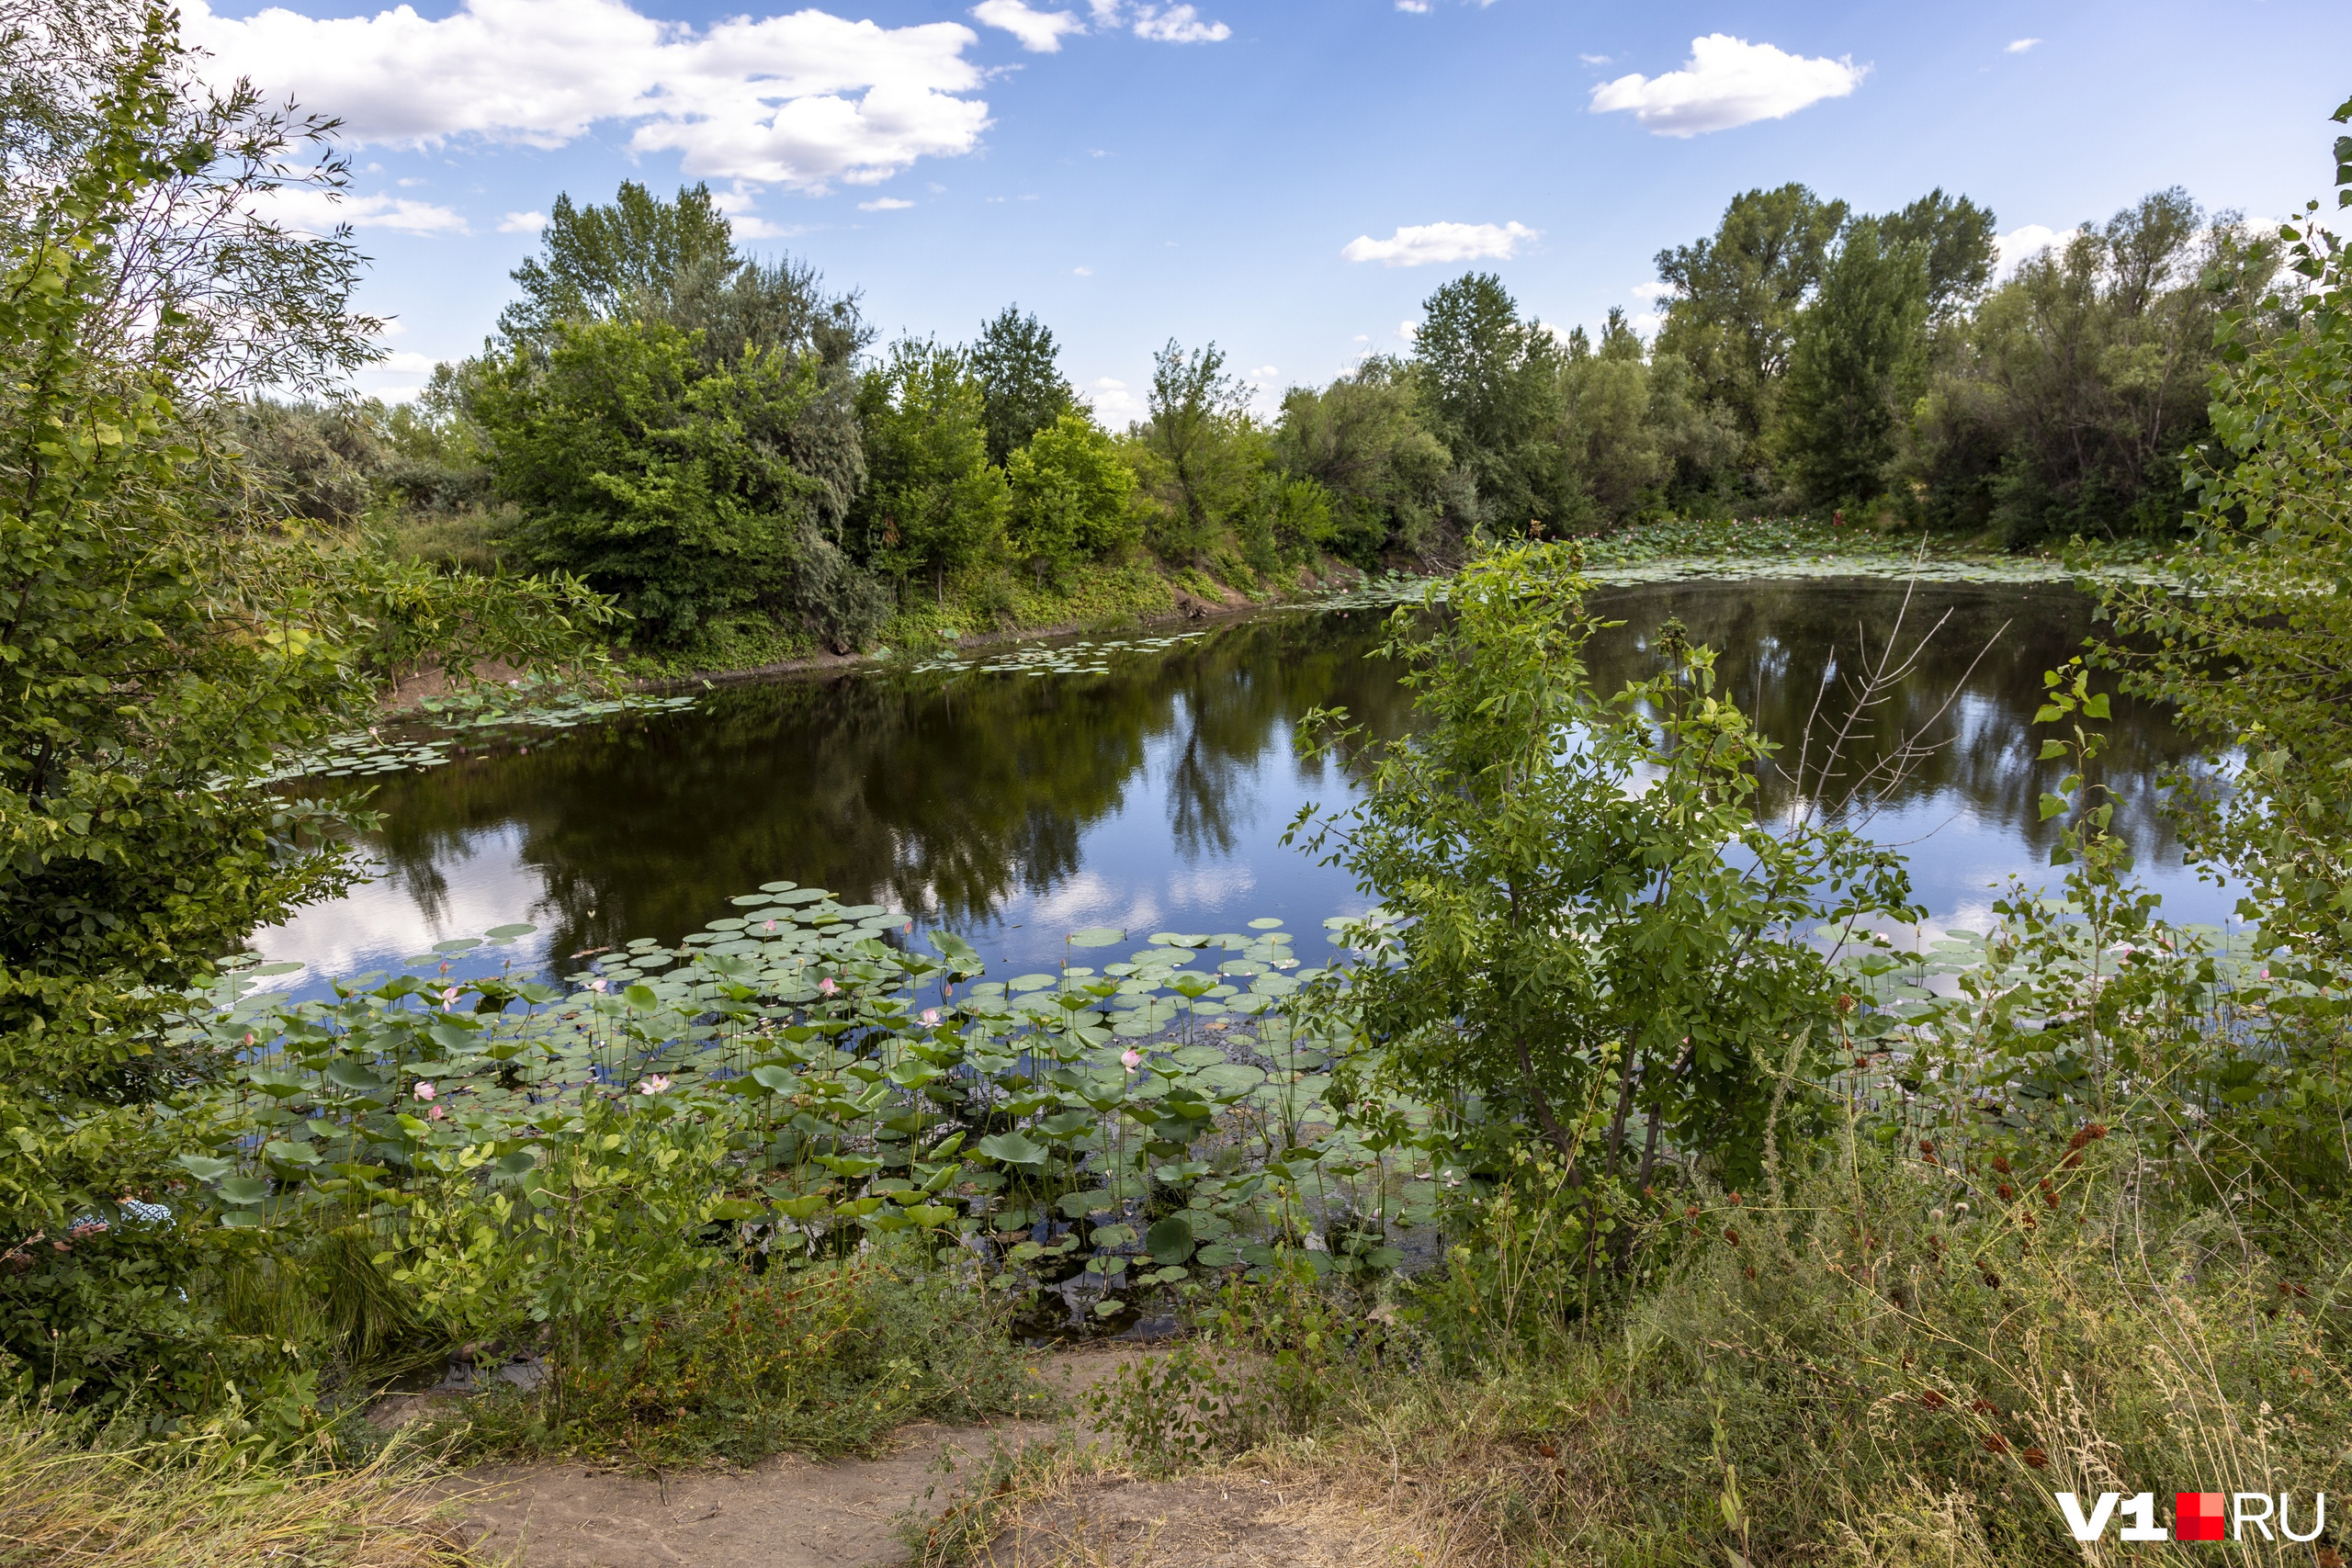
{"x": 1288, "y": 179}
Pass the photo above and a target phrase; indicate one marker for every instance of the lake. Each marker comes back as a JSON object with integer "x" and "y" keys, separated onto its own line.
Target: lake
{"x": 1014, "y": 808}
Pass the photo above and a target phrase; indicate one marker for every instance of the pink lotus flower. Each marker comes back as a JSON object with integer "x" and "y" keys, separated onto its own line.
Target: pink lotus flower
{"x": 771, "y": 925}
{"x": 1131, "y": 1059}
{"x": 449, "y": 998}
{"x": 422, "y": 1091}
{"x": 653, "y": 1084}
{"x": 437, "y": 1114}
{"x": 929, "y": 1016}
{"x": 596, "y": 985}
{"x": 827, "y": 985}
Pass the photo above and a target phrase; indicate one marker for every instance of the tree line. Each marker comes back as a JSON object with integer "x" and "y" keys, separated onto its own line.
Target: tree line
{"x": 703, "y": 435}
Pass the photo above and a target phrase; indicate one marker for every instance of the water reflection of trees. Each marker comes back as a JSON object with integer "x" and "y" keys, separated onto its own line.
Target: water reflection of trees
{"x": 1970, "y": 697}
{"x": 948, "y": 798}
{"x": 943, "y": 798}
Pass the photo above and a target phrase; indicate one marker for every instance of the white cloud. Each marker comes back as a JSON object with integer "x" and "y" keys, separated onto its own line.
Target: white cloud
{"x": 1264, "y": 373}
{"x": 2018, "y": 46}
{"x": 2021, "y": 245}
{"x": 522, "y": 222}
{"x": 1416, "y": 244}
{"x": 1112, "y": 399}
{"x": 1408, "y": 331}
{"x": 318, "y": 213}
{"x": 798, "y": 100}
{"x": 753, "y": 226}
{"x": 407, "y": 364}
{"x": 1082, "y": 272}
{"x": 885, "y": 204}
{"x": 1651, "y": 291}
{"x": 1727, "y": 82}
{"x": 1040, "y": 32}
{"x": 1178, "y": 24}
{"x": 1417, "y": 8}
{"x": 1594, "y": 58}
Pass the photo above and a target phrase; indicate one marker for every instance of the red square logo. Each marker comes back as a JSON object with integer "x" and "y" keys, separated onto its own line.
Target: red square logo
{"x": 2196, "y": 1515}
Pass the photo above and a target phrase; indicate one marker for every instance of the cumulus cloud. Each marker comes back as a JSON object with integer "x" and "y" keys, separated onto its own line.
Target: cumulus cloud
{"x": 1112, "y": 400}
{"x": 1417, "y": 8}
{"x": 1178, "y": 24}
{"x": 522, "y": 222}
{"x": 885, "y": 204}
{"x": 797, "y": 100}
{"x": 2021, "y": 245}
{"x": 407, "y": 364}
{"x": 1416, "y": 244}
{"x": 1408, "y": 331}
{"x": 2018, "y": 46}
{"x": 1727, "y": 82}
{"x": 1652, "y": 291}
{"x": 319, "y": 212}
{"x": 1040, "y": 32}
{"x": 1082, "y": 272}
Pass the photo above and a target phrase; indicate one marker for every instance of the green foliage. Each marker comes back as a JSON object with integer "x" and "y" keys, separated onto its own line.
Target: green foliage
{"x": 2253, "y": 654}
{"x": 160, "y": 650}
{"x": 1021, "y": 388}
{"x": 1490, "y": 385}
{"x": 1199, "y": 456}
{"x": 1954, "y": 237}
{"x": 599, "y": 263}
{"x": 1072, "y": 496}
{"x": 662, "y": 480}
{"x": 1738, "y": 294}
{"x": 1560, "y": 954}
{"x": 933, "y": 503}
{"x": 1391, "y": 483}
{"x": 1857, "y": 366}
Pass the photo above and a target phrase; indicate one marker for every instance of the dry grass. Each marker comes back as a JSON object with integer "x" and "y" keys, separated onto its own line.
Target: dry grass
{"x": 202, "y": 1504}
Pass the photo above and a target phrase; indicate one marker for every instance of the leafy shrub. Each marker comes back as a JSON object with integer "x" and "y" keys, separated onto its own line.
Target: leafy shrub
{"x": 1072, "y": 496}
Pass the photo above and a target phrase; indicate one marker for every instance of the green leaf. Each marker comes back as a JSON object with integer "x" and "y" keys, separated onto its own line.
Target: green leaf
{"x": 1012, "y": 1148}
{"x": 2051, "y": 805}
{"x": 1169, "y": 1240}
{"x": 244, "y": 1190}
{"x": 206, "y": 1168}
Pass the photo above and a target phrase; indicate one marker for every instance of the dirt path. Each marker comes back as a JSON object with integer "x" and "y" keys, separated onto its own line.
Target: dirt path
{"x": 792, "y": 1513}
{"x": 786, "y": 1512}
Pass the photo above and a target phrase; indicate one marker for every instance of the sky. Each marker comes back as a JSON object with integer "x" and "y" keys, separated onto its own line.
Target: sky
{"x": 1288, "y": 180}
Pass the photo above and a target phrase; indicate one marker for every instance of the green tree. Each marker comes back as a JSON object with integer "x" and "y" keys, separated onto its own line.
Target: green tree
{"x": 2064, "y": 407}
{"x": 1022, "y": 386}
{"x": 1736, "y": 295}
{"x": 597, "y": 263}
{"x": 1072, "y": 496}
{"x": 1576, "y": 960}
{"x": 1202, "y": 455}
{"x": 160, "y": 651}
{"x": 1861, "y": 356}
{"x": 933, "y": 504}
{"x": 1612, "y": 443}
{"x": 661, "y": 481}
{"x": 1955, "y": 237}
{"x": 2256, "y": 655}
{"x": 1490, "y": 385}
{"x": 1392, "y": 484}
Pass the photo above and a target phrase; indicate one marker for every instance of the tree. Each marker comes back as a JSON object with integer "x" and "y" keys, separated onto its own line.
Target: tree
{"x": 1071, "y": 495}
{"x": 1859, "y": 357}
{"x": 1955, "y": 237}
{"x": 663, "y": 481}
{"x": 2254, "y": 651}
{"x": 1021, "y": 388}
{"x": 597, "y": 263}
{"x": 1610, "y": 443}
{"x": 2063, "y": 406}
{"x": 1490, "y": 385}
{"x": 161, "y": 651}
{"x": 1201, "y": 450}
{"x": 1392, "y": 484}
{"x": 933, "y": 504}
{"x": 1736, "y": 295}
{"x": 1587, "y": 939}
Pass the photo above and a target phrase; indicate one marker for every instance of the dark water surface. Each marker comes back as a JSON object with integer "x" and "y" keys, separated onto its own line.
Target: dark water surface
{"x": 1015, "y": 808}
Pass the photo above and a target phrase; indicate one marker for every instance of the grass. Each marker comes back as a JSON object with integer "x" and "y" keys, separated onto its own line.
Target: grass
{"x": 207, "y": 1502}
{"x": 824, "y": 1361}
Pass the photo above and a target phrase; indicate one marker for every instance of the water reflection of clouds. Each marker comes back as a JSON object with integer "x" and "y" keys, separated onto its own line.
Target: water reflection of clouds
{"x": 485, "y": 883}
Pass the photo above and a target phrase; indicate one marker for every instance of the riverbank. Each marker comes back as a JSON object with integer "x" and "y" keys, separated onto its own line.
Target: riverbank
{"x": 1142, "y": 592}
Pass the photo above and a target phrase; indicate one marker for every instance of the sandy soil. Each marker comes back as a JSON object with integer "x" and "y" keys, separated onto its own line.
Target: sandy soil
{"x": 792, "y": 1513}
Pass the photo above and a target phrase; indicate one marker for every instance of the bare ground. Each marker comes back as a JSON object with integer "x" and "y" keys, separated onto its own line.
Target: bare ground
{"x": 790, "y": 1512}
